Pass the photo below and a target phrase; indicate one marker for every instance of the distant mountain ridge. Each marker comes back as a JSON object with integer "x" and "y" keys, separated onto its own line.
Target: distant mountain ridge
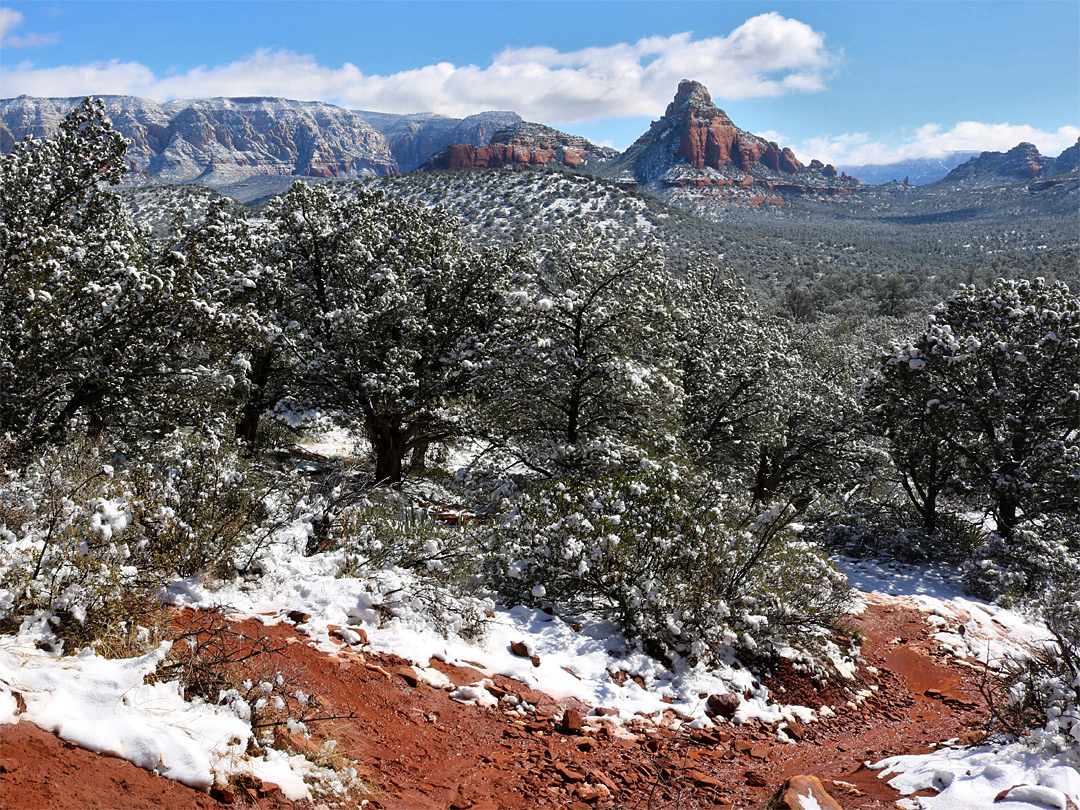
{"x": 220, "y": 141}
{"x": 693, "y": 156}
{"x": 415, "y": 138}
{"x": 917, "y": 171}
{"x": 1022, "y": 163}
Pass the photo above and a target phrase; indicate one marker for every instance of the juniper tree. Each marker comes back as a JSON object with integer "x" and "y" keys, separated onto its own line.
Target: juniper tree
{"x": 585, "y": 369}
{"x": 97, "y": 325}
{"x": 986, "y": 402}
{"x": 768, "y": 404}
{"x": 393, "y": 311}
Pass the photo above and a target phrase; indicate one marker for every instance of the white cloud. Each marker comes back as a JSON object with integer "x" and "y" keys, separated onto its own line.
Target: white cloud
{"x": 933, "y": 141}
{"x": 10, "y": 19}
{"x": 767, "y": 56}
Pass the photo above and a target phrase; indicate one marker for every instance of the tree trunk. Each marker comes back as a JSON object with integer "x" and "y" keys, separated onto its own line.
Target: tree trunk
{"x": 573, "y": 413}
{"x": 247, "y": 427}
{"x": 390, "y": 446}
{"x": 418, "y": 462}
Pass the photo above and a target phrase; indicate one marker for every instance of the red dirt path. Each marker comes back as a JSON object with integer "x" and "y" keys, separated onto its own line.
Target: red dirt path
{"x": 416, "y": 748}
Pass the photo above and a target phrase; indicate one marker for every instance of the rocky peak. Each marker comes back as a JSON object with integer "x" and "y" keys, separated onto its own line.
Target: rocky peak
{"x": 1021, "y": 163}
{"x": 696, "y": 144}
{"x": 1024, "y": 160}
{"x": 1066, "y": 161}
{"x": 691, "y": 94}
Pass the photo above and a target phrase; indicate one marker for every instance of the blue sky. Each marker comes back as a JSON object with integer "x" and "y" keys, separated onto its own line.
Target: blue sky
{"x": 846, "y": 82}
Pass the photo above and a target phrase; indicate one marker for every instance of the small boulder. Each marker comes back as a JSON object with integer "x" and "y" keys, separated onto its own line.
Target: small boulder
{"x": 802, "y": 793}
{"x": 755, "y": 779}
{"x": 571, "y": 722}
{"x": 724, "y": 705}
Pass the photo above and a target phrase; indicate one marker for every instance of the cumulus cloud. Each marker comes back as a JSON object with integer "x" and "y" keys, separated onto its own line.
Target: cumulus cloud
{"x": 934, "y": 141}
{"x": 10, "y": 19}
{"x": 767, "y": 56}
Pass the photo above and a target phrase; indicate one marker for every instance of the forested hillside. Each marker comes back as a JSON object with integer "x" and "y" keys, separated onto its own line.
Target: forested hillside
{"x": 655, "y": 429}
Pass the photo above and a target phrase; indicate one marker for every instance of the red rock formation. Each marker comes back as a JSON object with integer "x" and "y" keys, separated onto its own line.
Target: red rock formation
{"x": 525, "y": 145}
{"x": 695, "y": 145}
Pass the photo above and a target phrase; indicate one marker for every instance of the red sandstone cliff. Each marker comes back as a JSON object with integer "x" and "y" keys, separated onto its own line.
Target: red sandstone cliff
{"x": 695, "y": 144}
{"x": 526, "y": 145}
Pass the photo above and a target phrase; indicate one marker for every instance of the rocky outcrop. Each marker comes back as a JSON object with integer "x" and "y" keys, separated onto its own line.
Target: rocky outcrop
{"x": 525, "y": 145}
{"x": 1022, "y": 163}
{"x": 415, "y": 138}
{"x": 1065, "y": 162}
{"x": 219, "y": 141}
{"x": 695, "y": 144}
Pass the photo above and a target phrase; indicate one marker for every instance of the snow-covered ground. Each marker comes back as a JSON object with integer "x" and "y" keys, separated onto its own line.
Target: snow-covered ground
{"x": 970, "y": 778}
{"x": 572, "y": 663}
{"x": 105, "y": 705}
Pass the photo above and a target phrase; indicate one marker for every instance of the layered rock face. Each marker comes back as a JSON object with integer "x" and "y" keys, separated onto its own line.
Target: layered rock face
{"x": 415, "y": 138}
{"x": 1021, "y": 163}
{"x": 695, "y": 144}
{"x": 219, "y": 141}
{"x": 525, "y": 145}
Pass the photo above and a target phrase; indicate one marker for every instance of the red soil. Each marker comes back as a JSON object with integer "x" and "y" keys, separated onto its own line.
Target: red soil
{"x": 416, "y": 748}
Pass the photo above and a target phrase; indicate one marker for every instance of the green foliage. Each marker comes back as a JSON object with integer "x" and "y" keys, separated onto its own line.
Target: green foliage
{"x": 681, "y": 567}
{"x": 984, "y": 404}
{"x": 96, "y": 325}
{"x": 394, "y": 312}
{"x": 92, "y": 538}
{"x": 892, "y": 531}
{"x": 582, "y": 375}
{"x": 768, "y": 404}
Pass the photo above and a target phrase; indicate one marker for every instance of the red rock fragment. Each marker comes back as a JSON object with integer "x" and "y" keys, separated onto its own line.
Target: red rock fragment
{"x": 571, "y": 722}
{"x": 407, "y": 674}
{"x": 723, "y": 705}
{"x": 519, "y": 649}
{"x": 224, "y": 795}
{"x": 569, "y": 774}
{"x": 793, "y": 793}
{"x": 755, "y": 779}
{"x": 599, "y": 777}
{"x": 702, "y": 779}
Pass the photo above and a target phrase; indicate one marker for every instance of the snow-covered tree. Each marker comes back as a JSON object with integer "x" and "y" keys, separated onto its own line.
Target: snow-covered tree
{"x": 768, "y": 405}
{"x": 394, "y": 311}
{"x": 95, "y": 324}
{"x": 585, "y": 370}
{"x": 986, "y": 402}
{"x": 727, "y": 351}
{"x": 259, "y": 335}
